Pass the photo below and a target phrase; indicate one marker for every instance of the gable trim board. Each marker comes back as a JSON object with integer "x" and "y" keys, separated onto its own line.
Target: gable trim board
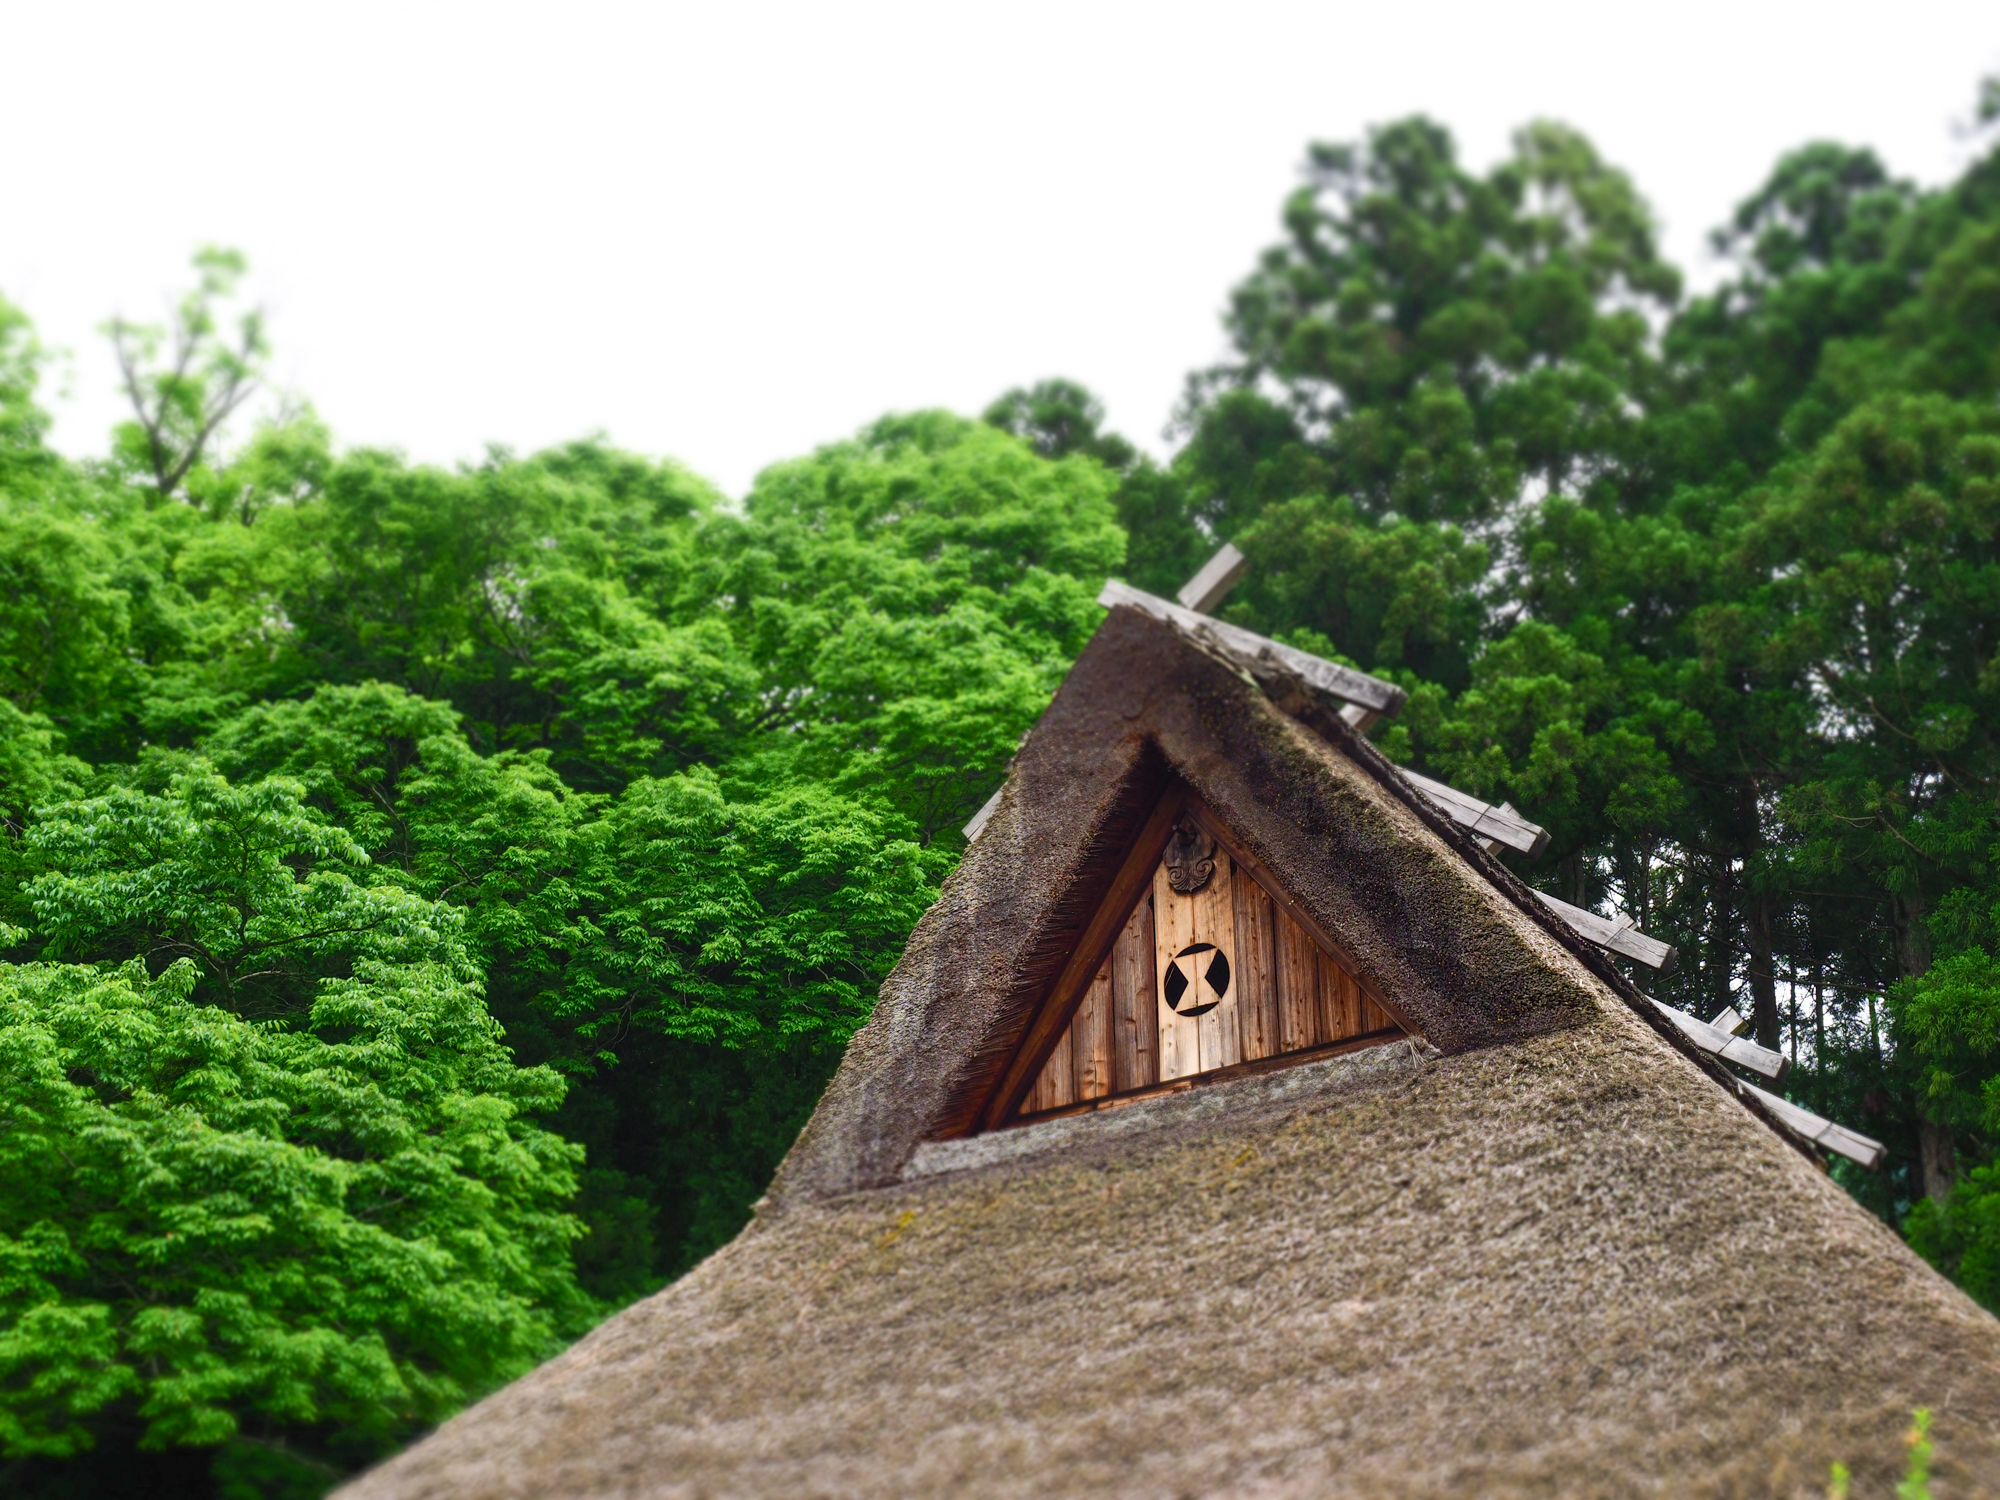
{"x": 1133, "y": 876}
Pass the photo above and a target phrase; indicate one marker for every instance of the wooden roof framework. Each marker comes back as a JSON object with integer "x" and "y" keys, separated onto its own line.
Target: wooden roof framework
{"x": 1109, "y": 1030}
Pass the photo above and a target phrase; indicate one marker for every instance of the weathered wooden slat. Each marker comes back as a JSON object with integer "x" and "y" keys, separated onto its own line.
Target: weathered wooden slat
{"x": 1215, "y": 922}
{"x": 1208, "y": 588}
{"x": 1821, "y": 1131}
{"x": 1248, "y": 864}
{"x": 1223, "y": 1041}
{"x": 1299, "y": 1019}
{"x": 1731, "y": 1020}
{"x": 1340, "y": 1001}
{"x": 1374, "y": 1018}
{"x": 1091, "y": 1039}
{"x": 1617, "y": 934}
{"x": 1328, "y": 677}
{"x": 1190, "y": 1043}
{"x": 1257, "y": 970}
{"x": 985, "y": 814}
{"x": 1131, "y": 880}
{"x": 1501, "y": 825}
{"x": 1719, "y": 1042}
{"x": 1360, "y": 719}
{"x": 1055, "y": 1086}
{"x": 1136, "y": 1034}
{"x": 1173, "y": 930}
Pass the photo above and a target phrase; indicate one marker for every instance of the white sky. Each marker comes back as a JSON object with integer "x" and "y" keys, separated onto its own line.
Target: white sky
{"x": 732, "y": 232}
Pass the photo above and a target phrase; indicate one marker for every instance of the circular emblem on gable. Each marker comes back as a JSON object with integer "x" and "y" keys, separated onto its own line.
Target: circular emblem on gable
{"x": 1196, "y": 983}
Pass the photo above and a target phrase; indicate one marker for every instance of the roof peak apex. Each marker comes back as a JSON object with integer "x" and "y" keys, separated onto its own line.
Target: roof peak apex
{"x": 1370, "y": 694}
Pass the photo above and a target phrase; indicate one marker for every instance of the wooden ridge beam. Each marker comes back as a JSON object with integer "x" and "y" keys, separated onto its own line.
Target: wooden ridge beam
{"x": 1329, "y": 677}
{"x": 1500, "y": 825}
{"x": 1617, "y": 934}
{"x": 1719, "y": 1043}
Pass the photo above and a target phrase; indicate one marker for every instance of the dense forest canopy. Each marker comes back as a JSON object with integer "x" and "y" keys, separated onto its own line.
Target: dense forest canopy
{"x": 434, "y": 898}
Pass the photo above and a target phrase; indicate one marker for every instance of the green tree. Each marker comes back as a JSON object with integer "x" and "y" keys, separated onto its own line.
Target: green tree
{"x": 23, "y": 422}
{"x": 269, "y": 1170}
{"x": 1437, "y": 338}
{"x": 1057, "y": 418}
{"x": 184, "y": 382}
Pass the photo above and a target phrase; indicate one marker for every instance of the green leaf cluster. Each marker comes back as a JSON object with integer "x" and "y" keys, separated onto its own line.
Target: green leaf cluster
{"x": 435, "y": 897}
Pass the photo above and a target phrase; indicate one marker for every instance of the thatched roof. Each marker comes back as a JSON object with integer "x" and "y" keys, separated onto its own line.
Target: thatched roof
{"x": 1544, "y": 1246}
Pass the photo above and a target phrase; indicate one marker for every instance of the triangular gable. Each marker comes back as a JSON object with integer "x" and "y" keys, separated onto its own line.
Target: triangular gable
{"x": 1207, "y": 969}
{"x": 991, "y": 978}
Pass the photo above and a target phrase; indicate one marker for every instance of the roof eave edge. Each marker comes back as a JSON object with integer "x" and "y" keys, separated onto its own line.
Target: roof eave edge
{"x": 1298, "y": 700}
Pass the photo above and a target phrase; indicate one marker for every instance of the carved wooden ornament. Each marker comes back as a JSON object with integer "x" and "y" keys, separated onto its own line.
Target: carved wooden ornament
{"x": 1190, "y": 858}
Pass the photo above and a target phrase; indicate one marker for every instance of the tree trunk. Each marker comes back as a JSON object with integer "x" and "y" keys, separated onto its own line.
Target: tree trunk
{"x": 1792, "y": 1004}
{"x": 1720, "y": 967}
{"x": 1573, "y": 875}
{"x": 1756, "y": 919}
{"x": 1937, "y": 1156}
{"x": 1763, "y": 981}
{"x": 1819, "y": 1021}
{"x": 1913, "y": 937}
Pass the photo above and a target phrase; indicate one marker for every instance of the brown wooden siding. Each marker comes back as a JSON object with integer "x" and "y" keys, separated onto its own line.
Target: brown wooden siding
{"x": 1285, "y": 993}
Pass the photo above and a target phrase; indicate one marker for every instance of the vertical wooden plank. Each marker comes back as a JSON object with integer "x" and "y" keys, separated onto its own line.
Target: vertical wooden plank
{"x": 1215, "y": 922}
{"x": 1298, "y": 985}
{"x": 1136, "y": 1036}
{"x": 1091, "y": 1032}
{"x": 1341, "y": 997}
{"x": 1373, "y": 1017}
{"x": 1057, "y": 1085}
{"x": 1257, "y": 972}
{"x": 1196, "y": 1043}
{"x": 1173, "y": 930}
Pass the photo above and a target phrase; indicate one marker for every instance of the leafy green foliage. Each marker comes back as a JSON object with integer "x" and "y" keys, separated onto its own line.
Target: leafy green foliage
{"x": 437, "y": 897}
{"x": 23, "y": 423}
{"x": 1057, "y": 418}
{"x": 347, "y": 1228}
{"x": 1439, "y": 337}
{"x": 267, "y": 1164}
{"x": 185, "y": 383}
{"x": 695, "y": 917}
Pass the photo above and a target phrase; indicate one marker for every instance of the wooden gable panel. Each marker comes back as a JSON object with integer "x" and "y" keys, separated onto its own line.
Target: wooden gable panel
{"x": 1194, "y": 971}
{"x": 1257, "y": 969}
{"x": 1085, "y": 1064}
{"x": 1135, "y": 1016}
{"x": 1201, "y": 981}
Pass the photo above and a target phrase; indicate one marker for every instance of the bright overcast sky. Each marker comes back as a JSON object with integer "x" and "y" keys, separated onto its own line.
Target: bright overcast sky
{"x": 732, "y": 232}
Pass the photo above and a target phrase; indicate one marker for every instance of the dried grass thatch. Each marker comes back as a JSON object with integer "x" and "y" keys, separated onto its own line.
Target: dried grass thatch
{"x": 1541, "y": 1252}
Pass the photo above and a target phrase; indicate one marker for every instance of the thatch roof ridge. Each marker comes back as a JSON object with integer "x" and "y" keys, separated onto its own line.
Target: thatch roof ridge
{"x": 1531, "y": 1256}
{"x": 1147, "y": 702}
{"x": 1313, "y": 705}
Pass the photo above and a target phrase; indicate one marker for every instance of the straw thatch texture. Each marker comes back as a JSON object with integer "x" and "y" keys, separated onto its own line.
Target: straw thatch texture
{"x": 1463, "y": 963}
{"x": 1567, "y": 1265}
{"x": 1541, "y": 1252}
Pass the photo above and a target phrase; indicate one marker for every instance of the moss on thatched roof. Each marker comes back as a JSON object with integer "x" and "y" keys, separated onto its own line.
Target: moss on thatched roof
{"x": 1542, "y": 1249}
